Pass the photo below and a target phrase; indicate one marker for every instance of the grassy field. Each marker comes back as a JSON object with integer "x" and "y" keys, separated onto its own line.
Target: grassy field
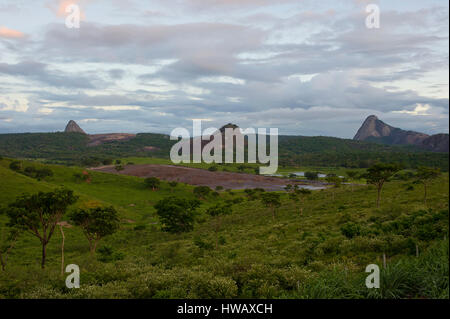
{"x": 317, "y": 247}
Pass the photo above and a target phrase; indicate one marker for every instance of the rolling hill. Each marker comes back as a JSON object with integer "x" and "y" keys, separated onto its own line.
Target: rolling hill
{"x": 375, "y": 130}
{"x": 91, "y": 150}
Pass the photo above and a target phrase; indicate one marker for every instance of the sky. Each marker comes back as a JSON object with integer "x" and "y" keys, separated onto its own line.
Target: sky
{"x": 305, "y": 67}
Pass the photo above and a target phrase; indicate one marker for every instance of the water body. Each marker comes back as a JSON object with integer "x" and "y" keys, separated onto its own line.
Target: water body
{"x": 303, "y": 174}
{"x": 320, "y": 175}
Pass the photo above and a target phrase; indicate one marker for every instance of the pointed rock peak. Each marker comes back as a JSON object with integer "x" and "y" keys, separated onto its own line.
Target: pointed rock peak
{"x": 229, "y": 125}
{"x": 373, "y": 127}
{"x": 72, "y": 127}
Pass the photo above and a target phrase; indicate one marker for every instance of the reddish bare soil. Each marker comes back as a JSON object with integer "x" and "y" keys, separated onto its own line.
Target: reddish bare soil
{"x": 98, "y": 139}
{"x": 195, "y": 176}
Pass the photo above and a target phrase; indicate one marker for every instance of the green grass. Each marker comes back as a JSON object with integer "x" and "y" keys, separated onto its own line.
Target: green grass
{"x": 299, "y": 255}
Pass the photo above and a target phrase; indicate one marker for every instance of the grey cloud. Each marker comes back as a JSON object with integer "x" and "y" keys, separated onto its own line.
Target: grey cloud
{"x": 355, "y": 68}
{"x": 40, "y": 72}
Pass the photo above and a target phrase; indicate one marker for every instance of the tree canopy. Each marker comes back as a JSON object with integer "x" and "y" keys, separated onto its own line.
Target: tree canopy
{"x": 177, "y": 214}
{"x": 39, "y": 213}
{"x": 96, "y": 222}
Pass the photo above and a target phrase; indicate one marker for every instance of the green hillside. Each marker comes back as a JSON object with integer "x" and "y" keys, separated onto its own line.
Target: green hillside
{"x": 72, "y": 148}
{"x": 317, "y": 247}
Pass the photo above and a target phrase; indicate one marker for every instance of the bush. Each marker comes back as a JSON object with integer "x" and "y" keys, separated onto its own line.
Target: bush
{"x": 312, "y": 175}
{"x": 152, "y": 182}
{"x": 107, "y": 254}
{"x": 202, "y": 191}
{"x": 139, "y": 227}
{"x": 43, "y": 173}
{"x": 351, "y": 230}
{"x": 15, "y": 165}
{"x": 107, "y": 161}
{"x": 203, "y": 244}
{"x": 177, "y": 214}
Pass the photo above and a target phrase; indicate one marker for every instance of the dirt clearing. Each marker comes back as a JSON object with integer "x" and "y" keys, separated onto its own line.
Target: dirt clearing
{"x": 196, "y": 176}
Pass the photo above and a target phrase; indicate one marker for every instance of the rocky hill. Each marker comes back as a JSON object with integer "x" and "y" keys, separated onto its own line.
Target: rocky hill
{"x": 72, "y": 127}
{"x": 375, "y": 130}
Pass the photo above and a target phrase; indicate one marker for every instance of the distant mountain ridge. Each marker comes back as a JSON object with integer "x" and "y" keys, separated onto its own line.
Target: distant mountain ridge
{"x": 375, "y": 130}
{"x": 97, "y": 139}
{"x": 91, "y": 150}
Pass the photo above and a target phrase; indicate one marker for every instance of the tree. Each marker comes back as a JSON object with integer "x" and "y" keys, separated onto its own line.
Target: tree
{"x": 177, "y": 214}
{"x": 335, "y": 180}
{"x": 241, "y": 168}
{"x": 39, "y": 213}
{"x": 96, "y": 223}
{"x": 217, "y": 211}
{"x": 425, "y": 175}
{"x": 6, "y": 245}
{"x": 152, "y": 182}
{"x": 202, "y": 191}
{"x": 172, "y": 185}
{"x": 379, "y": 174}
{"x": 107, "y": 161}
{"x": 288, "y": 188}
{"x": 15, "y": 166}
{"x": 312, "y": 176}
{"x": 84, "y": 176}
{"x": 8, "y": 239}
{"x": 352, "y": 175}
{"x": 119, "y": 168}
{"x": 43, "y": 173}
{"x": 212, "y": 168}
{"x": 271, "y": 200}
{"x": 251, "y": 194}
{"x": 303, "y": 192}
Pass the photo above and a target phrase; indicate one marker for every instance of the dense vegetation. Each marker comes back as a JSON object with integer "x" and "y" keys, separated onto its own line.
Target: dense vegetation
{"x": 72, "y": 148}
{"x": 330, "y": 151}
{"x": 232, "y": 243}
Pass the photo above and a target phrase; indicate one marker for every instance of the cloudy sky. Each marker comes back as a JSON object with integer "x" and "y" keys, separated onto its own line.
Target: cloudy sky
{"x": 306, "y": 67}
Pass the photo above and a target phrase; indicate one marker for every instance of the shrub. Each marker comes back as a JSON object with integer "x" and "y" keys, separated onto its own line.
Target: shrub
{"x": 107, "y": 161}
{"x": 152, "y": 182}
{"x": 177, "y": 214}
{"x": 16, "y": 165}
{"x": 139, "y": 227}
{"x": 43, "y": 172}
{"x": 312, "y": 175}
{"x": 202, "y": 191}
{"x": 107, "y": 254}
{"x": 351, "y": 230}
{"x": 203, "y": 244}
